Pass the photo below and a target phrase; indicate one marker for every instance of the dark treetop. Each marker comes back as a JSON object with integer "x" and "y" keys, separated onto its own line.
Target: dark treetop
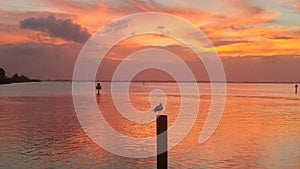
{"x": 15, "y": 79}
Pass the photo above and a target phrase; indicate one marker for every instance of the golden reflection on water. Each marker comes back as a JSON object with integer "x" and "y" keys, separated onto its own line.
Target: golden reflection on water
{"x": 255, "y": 132}
{"x": 252, "y": 133}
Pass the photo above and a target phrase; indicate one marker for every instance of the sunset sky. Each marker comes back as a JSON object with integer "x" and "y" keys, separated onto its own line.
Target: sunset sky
{"x": 257, "y": 40}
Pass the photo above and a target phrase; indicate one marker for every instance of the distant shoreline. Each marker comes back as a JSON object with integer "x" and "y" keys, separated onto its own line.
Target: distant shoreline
{"x": 11, "y": 82}
{"x": 161, "y": 81}
{"x": 15, "y": 78}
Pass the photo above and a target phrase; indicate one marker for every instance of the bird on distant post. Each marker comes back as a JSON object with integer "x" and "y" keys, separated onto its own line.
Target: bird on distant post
{"x": 158, "y": 108}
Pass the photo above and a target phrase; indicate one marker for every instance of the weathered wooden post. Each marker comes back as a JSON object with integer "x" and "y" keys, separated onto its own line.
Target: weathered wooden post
{"x": 98, "y": 87}
{"x": 162, "y": 141}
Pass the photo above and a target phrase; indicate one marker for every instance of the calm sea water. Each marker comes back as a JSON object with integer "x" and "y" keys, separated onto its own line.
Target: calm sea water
{"x": 260, "y": 128}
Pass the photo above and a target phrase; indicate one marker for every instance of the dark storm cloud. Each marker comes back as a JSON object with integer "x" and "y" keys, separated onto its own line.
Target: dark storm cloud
{"x": 62, "y": 28}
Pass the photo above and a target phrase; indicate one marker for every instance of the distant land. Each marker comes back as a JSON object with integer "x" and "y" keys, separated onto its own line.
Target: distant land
{"x": 167, "y": 81}
{"x": 15, "y": 78}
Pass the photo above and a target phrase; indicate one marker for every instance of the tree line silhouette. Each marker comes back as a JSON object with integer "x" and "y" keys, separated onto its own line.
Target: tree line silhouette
{"x": 14, "y": 79}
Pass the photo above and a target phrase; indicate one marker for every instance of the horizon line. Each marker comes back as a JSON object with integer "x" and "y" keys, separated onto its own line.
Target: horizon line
{"x": 170, "y": 81}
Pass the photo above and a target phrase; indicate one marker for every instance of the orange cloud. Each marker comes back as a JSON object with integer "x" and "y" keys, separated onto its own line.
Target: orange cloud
{"x": 238, "y": 30}
{"x": 235, "y": 28}
{"x": 296, "y": 6}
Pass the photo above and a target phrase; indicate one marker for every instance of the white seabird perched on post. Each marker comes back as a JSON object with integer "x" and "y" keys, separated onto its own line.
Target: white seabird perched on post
{"x": 158, "y": 108}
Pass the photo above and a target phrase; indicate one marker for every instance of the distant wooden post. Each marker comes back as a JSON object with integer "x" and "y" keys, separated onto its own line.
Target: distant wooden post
{"x": 98, "y": 87}
{"x": 296, "y": 87}
{"x": 162, "y": 141}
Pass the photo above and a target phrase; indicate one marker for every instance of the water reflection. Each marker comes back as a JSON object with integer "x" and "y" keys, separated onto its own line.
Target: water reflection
{"x": 255, "y": 132}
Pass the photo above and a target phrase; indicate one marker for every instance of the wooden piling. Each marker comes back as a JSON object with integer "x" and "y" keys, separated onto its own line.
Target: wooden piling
{"x": 162, "y": 141}
{"x": 98, "y": 88}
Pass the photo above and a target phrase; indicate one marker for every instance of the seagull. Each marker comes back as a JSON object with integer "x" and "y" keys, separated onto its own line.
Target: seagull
{"x": 158, "y": 108}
